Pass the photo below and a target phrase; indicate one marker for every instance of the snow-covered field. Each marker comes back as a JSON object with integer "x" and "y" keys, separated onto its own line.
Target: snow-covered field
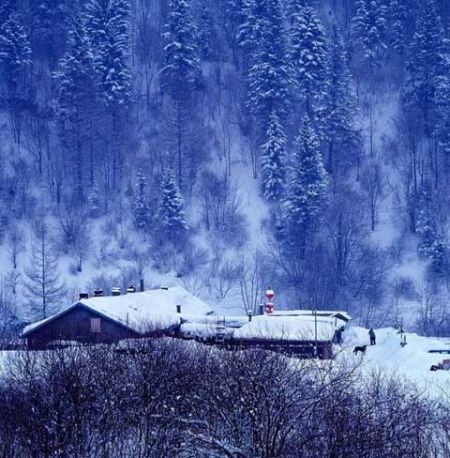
{"x": 411, "y": 362}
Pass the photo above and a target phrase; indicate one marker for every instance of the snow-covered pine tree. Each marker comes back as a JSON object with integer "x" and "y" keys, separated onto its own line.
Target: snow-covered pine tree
{"x": 109, "y": 30}
{"x": 268, "y": 73}
{"x": 141, "y": 206}
{"x": 206, "y": 35}
{"x": 307, "y": 184}
{"x": 234, "y": 18}
{"x": 439, "y": 258}
{"x": 242, "y": 13}
{"x": 180, "y": 72}
{"x": 5, "y": 11}
{"x": 15, "y": 53}
{"x": 76, "y": 94}
{"x": 171, "y": 218}
{"x": 442, "y": 105}
{"x": 338, "y": 122}
{"x": 273, "y": 152}
{"x": 308, "y": 55}
{"x": 48, "y": 29}
{"x": 423, "y": 64}
{"x": 369, "y": 29}
{"x": 432, "y": 245}
{"x": 398, "y": 29}
{"x": 108, "y": 23}
{"x": 15, "y": 63}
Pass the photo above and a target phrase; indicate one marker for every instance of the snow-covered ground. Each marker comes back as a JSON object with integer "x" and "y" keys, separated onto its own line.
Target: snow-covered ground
{"x": 411, "y": 362}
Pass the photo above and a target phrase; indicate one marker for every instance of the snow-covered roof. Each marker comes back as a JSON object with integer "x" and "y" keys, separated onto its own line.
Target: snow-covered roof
{"x": 276, "y": 327}
{"x": 139, "y": 311}
{"x": 210, "y": 325}
{"x": 344, "y": 316}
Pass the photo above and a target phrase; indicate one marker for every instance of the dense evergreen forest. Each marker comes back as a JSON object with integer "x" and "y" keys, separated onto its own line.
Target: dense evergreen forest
{"x": 227, "y": 145}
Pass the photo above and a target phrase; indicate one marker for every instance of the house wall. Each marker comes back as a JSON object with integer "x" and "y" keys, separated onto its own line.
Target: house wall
{"x": 76, "y": 325}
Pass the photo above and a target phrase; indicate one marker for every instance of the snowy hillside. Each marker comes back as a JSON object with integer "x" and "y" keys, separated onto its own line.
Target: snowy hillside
{"x": 226, "y": 147}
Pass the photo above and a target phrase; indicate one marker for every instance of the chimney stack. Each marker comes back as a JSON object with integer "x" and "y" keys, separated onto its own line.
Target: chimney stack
{"x": 141, "y": 284}
{"x": 98, "y": 292}
{"x": 115, "y": 291}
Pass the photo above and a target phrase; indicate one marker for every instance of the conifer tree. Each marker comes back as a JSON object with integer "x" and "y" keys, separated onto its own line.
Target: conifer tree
{"x": 243, "y": 14}
{"x": 15, "y": 60}
{"x": 442, "y": 105}
{"x": 48, "y": 29}
{"x": 431, "y": 247}
{"x": 338, "y": 122}
{"x": 109, "y": 30}
{"x": 273, "y": 158}
{"x": 15, "y": 53}
{"x": 141, "y": 207}
{"x": 308, "y": 55}
{"x": 424, "y": 61}
{"x": 76, "y": 94}
{"x": 398, "y": 12}
{"x": 171, "y": 218}
{"x": 369, "y": 29}
{"x": 206, "y": 35}
{"x": 307, "y": 184}
{"x": 180, "y": 72}
{"x": 268, "y": 73}
{"x": 5, "y": 11}
{"x": 235, "y": 16}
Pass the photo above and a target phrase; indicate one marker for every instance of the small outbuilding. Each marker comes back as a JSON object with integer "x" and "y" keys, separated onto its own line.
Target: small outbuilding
{"x": 112, "y": 318}
{"x": 296, "y": 334}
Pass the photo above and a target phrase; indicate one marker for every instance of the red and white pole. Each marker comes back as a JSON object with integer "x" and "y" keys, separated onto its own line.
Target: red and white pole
{"x": 269, "y": 304}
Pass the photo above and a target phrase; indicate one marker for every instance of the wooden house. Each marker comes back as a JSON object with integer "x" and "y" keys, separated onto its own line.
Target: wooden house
{"x": 293, "y": 334}
{"x": 113, "y": 318}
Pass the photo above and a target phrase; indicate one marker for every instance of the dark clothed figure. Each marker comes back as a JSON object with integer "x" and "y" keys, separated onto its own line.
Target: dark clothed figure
{"x": 373, "y": 337}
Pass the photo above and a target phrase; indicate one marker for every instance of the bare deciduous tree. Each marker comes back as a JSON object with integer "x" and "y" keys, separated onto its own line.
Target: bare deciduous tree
{"x": 43, "y": 285}
{"x": 373, "y": 186}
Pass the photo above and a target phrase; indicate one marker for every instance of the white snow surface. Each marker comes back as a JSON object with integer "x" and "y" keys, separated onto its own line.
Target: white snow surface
{"x": 411, "y": 362}
{"x": 300, "y": 327}
{"x": 139, "y": 311}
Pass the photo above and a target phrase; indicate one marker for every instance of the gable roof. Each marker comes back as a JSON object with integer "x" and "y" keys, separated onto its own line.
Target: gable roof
{"x": 137, "y": 311}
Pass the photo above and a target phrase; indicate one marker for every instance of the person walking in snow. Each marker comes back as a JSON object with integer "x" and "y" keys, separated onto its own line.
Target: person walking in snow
{"x": 372, "y": 336}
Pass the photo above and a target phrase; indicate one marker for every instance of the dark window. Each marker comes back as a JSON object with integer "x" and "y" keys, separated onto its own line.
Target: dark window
{"x": 96, "y": 325}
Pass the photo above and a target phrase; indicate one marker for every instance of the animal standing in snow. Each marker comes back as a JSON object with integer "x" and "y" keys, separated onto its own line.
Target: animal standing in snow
{"x": 361, "y": 348}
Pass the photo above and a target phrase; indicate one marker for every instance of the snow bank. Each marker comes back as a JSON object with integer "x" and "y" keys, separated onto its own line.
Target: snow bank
{"x": 412, "y": 361}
